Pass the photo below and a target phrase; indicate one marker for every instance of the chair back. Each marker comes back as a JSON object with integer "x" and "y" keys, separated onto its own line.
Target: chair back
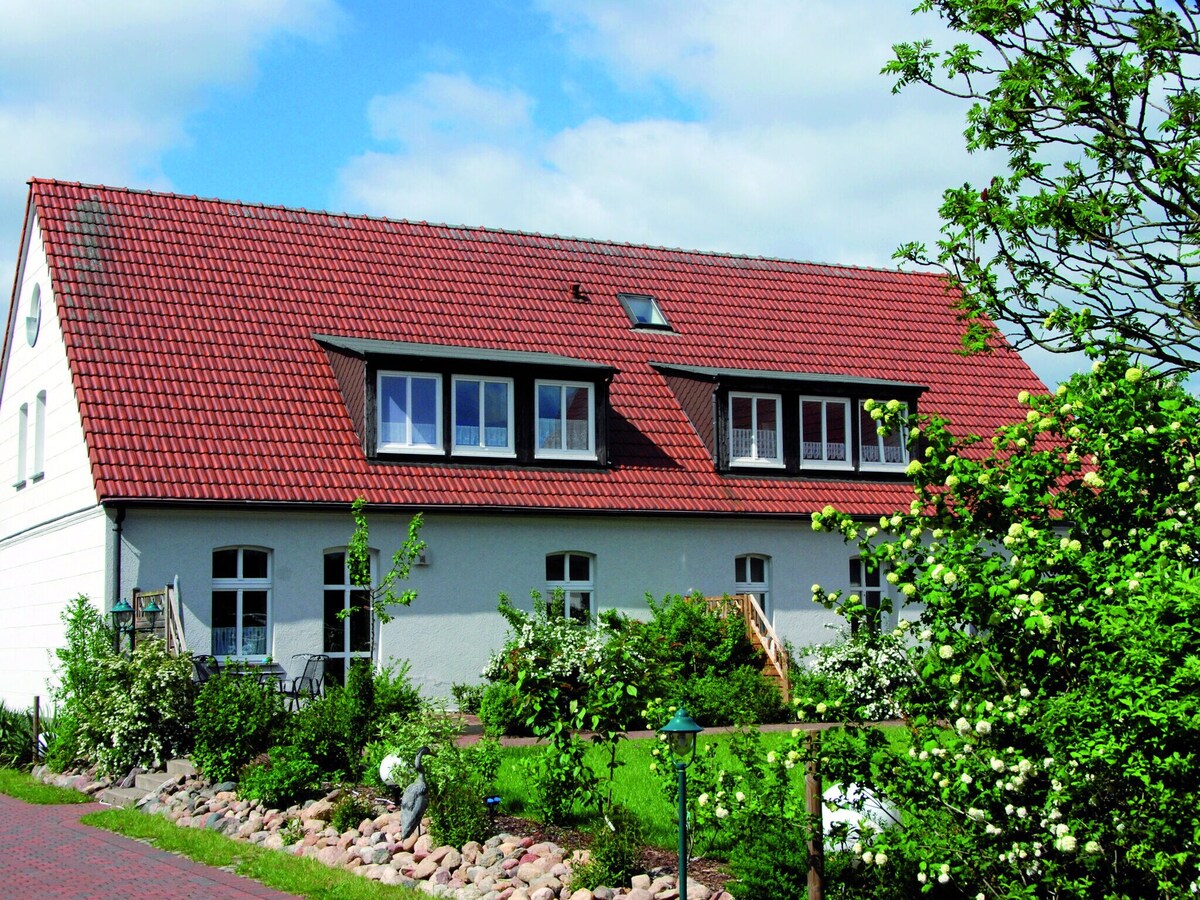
{"x": 314, "y": 673}
{"x": 205, "y": 667}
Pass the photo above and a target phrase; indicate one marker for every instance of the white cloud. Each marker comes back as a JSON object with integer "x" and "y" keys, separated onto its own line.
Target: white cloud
{"x": 799, "y": 149}
{"x": 97, "y": 91}
{"x": 449, "y": 110}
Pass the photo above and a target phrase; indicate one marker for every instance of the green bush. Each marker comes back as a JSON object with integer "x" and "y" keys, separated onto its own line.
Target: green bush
{"x": 500, "y": 710}
{"x": 285, "y": 777}
{"x": 468, "y": 697}
{"x": 143, "y": 714}
{"x": 395, "y": 694}
{"x": 458, "y": 813}
{"x": 559, "y": 780}
{"x": 616, "y": 852}
{"x": 770, "y": 863}
{"x": 739, "y": 696}
{"x": 359, "y": 697}
{"x": 860, "y": 676}
{"x": 349, "y": 811}
{"x": 16, "y": 738}
{"x": 236, "y": 719}
{"x": 328, "y": 729}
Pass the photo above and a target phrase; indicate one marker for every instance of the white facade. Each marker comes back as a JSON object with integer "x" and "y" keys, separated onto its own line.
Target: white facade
{"x": 52, "y": 531}
{"x": 453, "y": 626}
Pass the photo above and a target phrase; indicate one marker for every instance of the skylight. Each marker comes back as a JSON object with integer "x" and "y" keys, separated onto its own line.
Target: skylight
{"x": 643, "y": 311}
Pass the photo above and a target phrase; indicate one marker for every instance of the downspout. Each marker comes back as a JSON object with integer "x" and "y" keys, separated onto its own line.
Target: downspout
{"x": 118, "y": 521}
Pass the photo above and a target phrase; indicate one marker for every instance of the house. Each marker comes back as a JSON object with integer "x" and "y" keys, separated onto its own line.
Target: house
{"x": 196, "y": 390}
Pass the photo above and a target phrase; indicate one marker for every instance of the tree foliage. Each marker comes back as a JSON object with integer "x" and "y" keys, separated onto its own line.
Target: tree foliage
{"x": 1090, "y": 238}
{"x": 1056, "y": 730}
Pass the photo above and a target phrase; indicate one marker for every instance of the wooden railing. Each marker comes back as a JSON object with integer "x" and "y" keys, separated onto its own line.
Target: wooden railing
{"x": 170, "y": 622}
{"x": 760, "y": 633}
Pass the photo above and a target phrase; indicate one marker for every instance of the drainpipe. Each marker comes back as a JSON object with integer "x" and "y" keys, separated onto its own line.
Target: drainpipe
{"x": 117, "y": 541}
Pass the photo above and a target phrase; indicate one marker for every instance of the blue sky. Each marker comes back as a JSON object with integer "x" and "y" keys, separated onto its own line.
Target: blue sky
{"x": 749, "y": 126}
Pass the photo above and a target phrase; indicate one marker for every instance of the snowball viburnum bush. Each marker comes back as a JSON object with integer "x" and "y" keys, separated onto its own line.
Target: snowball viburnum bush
{"x": 1055, "y": 728}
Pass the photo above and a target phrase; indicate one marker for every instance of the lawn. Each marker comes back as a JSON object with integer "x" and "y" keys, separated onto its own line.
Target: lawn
{"x": 23, "y": 787}
{"x": 637, "y": 788}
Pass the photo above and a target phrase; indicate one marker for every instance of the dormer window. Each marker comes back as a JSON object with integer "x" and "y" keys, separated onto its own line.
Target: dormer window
{"x": 410, "y": 412}
{"x": 825, "y": 433}
{"x": 644, "y": 311}
{"x": 483, "y": 416}
{"x": 565, "y": 424}
{"x": 882, "y": 452}
{"x": 754, "y": 430}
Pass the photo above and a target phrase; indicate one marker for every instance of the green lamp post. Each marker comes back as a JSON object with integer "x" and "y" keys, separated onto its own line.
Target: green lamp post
{"x": 681, "y": 734}
{"x": 122, "y": 616}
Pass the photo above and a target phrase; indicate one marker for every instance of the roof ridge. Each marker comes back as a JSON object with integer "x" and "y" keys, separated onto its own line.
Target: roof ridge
{"x": 482, "y": 229}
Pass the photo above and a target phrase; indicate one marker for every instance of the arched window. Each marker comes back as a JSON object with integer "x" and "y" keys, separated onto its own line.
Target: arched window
{"x": 241, "y": 602}
{"x": 349, "y": 636}
{"x": 752, "y": 575}
{"x": 570, "y": 586}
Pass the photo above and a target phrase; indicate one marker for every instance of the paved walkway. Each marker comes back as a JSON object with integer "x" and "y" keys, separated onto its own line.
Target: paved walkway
{"x": 47, "y": 852}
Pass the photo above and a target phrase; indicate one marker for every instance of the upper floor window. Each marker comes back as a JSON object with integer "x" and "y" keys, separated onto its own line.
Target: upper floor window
{"x": 825, "y": 432}
{"x": 882, "y": 451}
{"x": 754, "y": 430}
{"x": 33, "y": 319}
{"x": 410, "y": 412}
{"x": 22, "y": 444}
{"x": 570, "y": 586}
{"x": 39, "y": 437}
{"x": 565, "y": 420}
{"x": 241, "y": 602}
{"x": 752, "y": 575}
{"x": 483, "y": 415}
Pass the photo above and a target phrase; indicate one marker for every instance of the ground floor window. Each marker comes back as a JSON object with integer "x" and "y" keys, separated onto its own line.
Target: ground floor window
{"x": 752, "y": 575}
{"x": 867, "y": 583}
{"x": 241, "y": 602}
{"x": 347, "y": 636}
{"x": 570, "y": 586}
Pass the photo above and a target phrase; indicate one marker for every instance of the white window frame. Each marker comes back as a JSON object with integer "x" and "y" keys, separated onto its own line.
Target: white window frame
{"x": 22, "y": 445}
{"x": 756, "y": 458}
{"x": 572, "y": 588}
{"x": 541, "y": 452}
{"x": 869, "y": 437}
{"x": 822, "y": 439}
{"x": 346, "y": 654}
{"x": 872, "y": 589}
{"x": 761, "y": 590}
{"x": 406, "y": 444}
{"x": 240, "y": 585}
{"x": 39, "y": 438}
{"x": 481, "y": 448}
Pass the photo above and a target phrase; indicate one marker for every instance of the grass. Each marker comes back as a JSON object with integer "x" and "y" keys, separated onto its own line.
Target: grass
{"x": 636, "y": 787}
{"x": 294, "y": 875}
{"x": 23, "y": 786}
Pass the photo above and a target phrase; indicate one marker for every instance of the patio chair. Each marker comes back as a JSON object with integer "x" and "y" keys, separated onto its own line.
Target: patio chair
{"x": 309, "y": 683}
{"x": 204, "y": 667}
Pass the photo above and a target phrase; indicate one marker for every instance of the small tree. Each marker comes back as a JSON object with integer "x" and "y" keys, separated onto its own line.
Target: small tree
{"x": 1055, "y": 738}
{"x": 1088, "y": 235}
{"x": 381, "y": 597}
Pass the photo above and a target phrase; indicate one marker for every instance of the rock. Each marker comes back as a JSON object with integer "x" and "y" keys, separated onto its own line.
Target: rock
{"x": 641, "y": 882}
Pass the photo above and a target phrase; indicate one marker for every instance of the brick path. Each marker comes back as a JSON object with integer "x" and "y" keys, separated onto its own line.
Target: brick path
{"x": 46, "y": 852}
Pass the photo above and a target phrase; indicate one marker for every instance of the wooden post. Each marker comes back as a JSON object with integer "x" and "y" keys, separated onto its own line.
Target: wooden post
{"x": 812, "y": 801}
{"x": 37, "y": 729}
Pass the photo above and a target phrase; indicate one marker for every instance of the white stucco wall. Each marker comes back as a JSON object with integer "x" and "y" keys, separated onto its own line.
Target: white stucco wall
{"x": 52, "y": 533}
{"x": 453, "y": 626}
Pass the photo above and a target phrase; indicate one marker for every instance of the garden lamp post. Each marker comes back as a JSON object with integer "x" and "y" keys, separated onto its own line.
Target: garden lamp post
{"x": 152, "y": 611}
{"x": 681, "y": 734}
{"x": 122, "y": 616}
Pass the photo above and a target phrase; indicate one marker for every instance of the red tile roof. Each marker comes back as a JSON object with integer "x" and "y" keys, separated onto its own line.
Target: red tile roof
{"x": 189, "y": 329}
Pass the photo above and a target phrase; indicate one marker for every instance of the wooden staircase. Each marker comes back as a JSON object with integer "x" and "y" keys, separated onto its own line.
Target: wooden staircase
{"x": 761, "y": 634}
{"x": 169, "y": 625}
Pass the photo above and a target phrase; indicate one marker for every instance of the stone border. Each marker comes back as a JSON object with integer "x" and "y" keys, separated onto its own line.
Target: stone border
{"x": 505, "y": 867}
